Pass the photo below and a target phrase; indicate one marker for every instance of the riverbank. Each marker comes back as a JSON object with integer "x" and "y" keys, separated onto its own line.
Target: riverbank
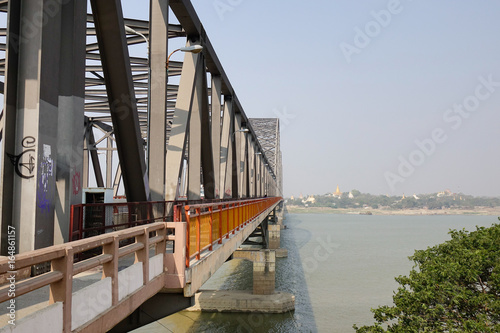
{"x": 419, "y": 211}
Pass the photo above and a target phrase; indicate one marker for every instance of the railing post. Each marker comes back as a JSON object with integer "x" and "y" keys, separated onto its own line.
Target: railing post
{"x": 110, "y": 269}
{"x": 176, "y": 208}
{"x": 228, "y": 207}
{"x": 129, "y": 215}
{"x": 198, "y": 236}
{"x": 220, "y": 224}
{"x": 211, "y": 221}
{"x": 61, "y": 291}
{"x": 161, "y": 247}
{"x": 71, "y": 219}
{"x": 150, "y": 215}
{"x": 143, "y": 255}
{"x": 188, "y": 215}
{"x": 80, "y": 223}
{"x": 247, "y": 218}
{"x": 235, "y": 217}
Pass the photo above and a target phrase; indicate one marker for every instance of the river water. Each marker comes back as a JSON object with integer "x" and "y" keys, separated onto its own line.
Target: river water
{"x": 338, "y": 267}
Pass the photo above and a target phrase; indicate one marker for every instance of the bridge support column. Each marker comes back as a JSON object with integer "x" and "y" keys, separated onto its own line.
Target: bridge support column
{"x": 29, "y": 164}
{"x": 274, "y": 231}
{"x": 274, "y": 236}
{"x": 264, "y": 269}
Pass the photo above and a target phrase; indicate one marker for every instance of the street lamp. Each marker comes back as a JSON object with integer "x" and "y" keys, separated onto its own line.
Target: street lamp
{"x": 191, "y": 49}
{"x": 134, "y": 32}
{"x": 244, "y": 130}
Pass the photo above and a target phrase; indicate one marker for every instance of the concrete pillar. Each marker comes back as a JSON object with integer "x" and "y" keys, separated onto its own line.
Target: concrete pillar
{"x": 274, "y": 231}
{"x": 264, "y": 273}
{"x": 31, "y": 123}
{"x": 264, "y": 269}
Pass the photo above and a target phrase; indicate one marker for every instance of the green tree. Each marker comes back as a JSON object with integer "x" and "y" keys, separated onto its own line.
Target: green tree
{"x": 355, "y": 193}
{"x": 453, "y": 287}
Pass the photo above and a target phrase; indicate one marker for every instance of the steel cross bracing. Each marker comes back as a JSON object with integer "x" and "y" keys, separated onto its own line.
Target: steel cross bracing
{"x": 88, "y": 102}
{"x": 268, "y": 134}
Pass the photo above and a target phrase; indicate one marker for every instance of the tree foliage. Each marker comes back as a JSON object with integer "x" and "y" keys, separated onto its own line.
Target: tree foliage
{"x": 432, "y": 201}
{"x": 453, "y": 287}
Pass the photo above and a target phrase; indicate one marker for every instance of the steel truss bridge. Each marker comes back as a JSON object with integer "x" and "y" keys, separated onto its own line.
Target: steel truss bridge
{"x": 93, "y": 99}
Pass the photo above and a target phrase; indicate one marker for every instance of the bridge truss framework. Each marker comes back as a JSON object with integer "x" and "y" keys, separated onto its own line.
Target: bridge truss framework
{"x": 72, "y": 91}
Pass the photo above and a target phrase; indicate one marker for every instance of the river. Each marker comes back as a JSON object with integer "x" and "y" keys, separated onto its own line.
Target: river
{"x": 338, "y": 267}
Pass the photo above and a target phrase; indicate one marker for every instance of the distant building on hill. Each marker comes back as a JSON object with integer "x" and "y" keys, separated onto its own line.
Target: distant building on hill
{"x": 310, "y": 199}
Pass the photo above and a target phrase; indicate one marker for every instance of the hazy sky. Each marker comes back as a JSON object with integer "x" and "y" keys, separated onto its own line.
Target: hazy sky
{"x": 386, "y": 97}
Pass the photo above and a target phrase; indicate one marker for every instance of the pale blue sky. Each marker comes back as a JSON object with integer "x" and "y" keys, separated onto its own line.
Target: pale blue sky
{"x": 352, "y": 123}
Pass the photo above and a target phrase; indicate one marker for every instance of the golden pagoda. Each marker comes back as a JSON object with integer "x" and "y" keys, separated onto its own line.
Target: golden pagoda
{"x": 337, "y": 193}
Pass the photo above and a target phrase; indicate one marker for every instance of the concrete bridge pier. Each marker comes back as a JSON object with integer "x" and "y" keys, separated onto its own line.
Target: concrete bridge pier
{"x": 262, "y": 299}
{"x": 264, "y": 269}
{"x": 274, "y": 236}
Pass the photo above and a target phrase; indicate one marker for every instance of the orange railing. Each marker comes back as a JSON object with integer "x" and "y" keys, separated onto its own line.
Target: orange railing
{"x": 208, "y": 224}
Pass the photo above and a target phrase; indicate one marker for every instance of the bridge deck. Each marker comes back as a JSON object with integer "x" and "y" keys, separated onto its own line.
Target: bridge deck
{"x": 200, "y": 245}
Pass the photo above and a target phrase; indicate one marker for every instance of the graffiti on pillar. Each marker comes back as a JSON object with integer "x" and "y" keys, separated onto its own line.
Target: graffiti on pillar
{"x": 24, "y": 163}
{"x": 77, "y": 183}
{"x": 45, "y": 186}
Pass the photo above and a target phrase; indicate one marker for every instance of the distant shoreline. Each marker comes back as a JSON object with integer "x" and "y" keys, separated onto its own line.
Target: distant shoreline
{"x": 420, "y": 211}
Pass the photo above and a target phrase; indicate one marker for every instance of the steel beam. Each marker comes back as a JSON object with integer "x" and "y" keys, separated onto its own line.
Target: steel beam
{"x": 109, "y": 162}
{"x": 178, "y": 133}
{"x": 240, "y": 154}
{"x": 110, "y": 31}
{"x": 216, "y": 132}
{"x": 195, "y": 128}
{"x": 246, "y": 157}
{"x": 70, "y": 123}
{"x": 251, "y": 167}
{"x": 35, "y": 132}
{"x": 207, "y": 159}
{"x": 95, "y": 158}
{"x": 226, "y": 150}
{"x": 8, "y": 121}
{"x": 158, "y": 46}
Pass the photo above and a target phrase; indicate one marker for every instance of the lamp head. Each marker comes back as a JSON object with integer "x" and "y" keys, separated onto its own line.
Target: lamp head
{"x": 192, "y": 49}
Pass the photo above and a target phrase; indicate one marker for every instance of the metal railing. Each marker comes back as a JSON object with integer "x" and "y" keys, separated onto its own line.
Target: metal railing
{"x": 208, "y": 224}
{"x": 89, "y": 220}
{"x": 205, "y": 225}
